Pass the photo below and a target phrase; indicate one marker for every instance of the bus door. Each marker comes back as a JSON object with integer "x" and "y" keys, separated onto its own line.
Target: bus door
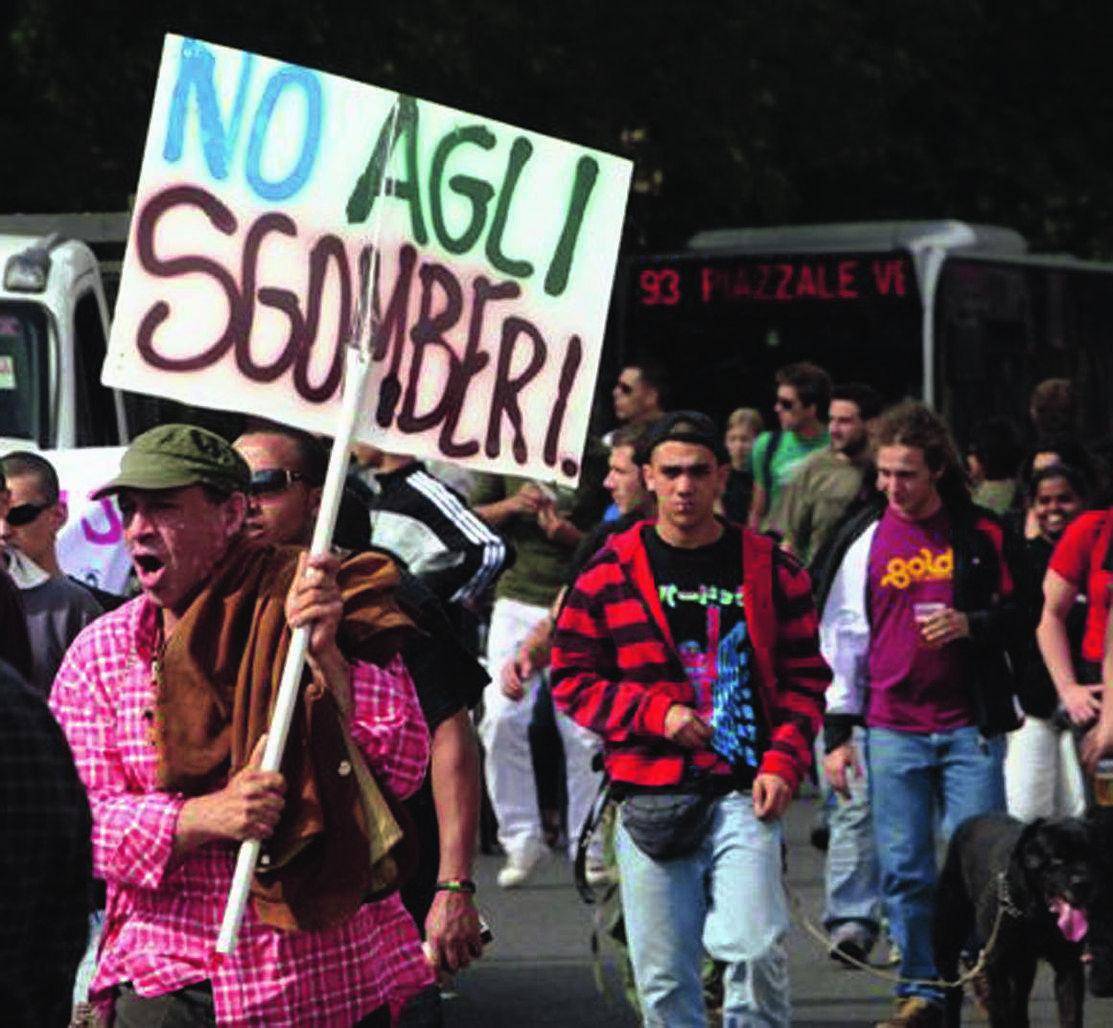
{"x": 1002, "y": 326}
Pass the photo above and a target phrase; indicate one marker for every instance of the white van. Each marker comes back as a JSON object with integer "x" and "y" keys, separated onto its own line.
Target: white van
{"x": 53, "y": 336}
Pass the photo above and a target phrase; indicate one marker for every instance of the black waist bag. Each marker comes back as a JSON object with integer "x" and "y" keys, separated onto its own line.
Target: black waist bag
{"x": 666, "y": 825}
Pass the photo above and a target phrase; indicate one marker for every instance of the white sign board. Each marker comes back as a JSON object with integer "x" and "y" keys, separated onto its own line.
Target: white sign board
{"x": 91, "y": 543}
{"x": 265, "y": 189}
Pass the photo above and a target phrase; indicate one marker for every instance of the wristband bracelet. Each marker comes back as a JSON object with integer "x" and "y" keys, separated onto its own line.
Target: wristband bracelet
{"x": 465, "y": 885}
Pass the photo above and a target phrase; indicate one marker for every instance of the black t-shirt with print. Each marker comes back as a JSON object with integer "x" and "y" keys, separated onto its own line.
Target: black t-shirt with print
{"x": 700, "y": 591}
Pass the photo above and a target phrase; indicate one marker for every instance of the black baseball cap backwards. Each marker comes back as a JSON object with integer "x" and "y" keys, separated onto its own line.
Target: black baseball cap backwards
{"x": 173, "y": 456}
{"x": 683, "y": 426}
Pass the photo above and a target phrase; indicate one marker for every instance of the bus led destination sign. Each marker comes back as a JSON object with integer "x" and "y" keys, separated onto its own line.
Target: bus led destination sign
{"x": 735, "y": 281}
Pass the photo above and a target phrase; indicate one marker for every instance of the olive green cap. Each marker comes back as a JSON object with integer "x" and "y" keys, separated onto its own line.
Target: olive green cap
{"x": 174, "y": 456}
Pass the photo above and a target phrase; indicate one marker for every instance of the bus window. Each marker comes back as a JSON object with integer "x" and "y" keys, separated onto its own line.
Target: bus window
{"x": 722, "y": 325}
{"x": 96, "y": 411}
{"x": 23, "y": 372}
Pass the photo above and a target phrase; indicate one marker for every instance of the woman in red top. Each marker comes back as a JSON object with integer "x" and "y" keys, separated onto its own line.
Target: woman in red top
{"x": 1078, "y": 565}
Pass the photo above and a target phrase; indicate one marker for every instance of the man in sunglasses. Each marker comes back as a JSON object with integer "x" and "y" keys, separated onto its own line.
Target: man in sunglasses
{"x": 287, "y": 468}
{"x": 56, "y": 607}
{"x": 690, "y": 645}
{"x": 639, "y": 394}
{"x": 287, "y": 472}
{"x": 803, "y": 393}
{"x": 15, "y": 648}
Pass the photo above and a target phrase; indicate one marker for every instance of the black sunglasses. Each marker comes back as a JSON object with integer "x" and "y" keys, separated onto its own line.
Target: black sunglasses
{"x": 784, "y": 404}
{"x": 25, "y": 513}
{"x": 624, "y": 387}
{"x": 273, "y": 480}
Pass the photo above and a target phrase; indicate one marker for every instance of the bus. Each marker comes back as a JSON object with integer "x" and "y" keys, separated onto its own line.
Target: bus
{"x": 962, "y": 316}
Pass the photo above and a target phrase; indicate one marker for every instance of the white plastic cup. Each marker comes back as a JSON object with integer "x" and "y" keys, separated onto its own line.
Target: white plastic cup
{"x": 923, "y": 612}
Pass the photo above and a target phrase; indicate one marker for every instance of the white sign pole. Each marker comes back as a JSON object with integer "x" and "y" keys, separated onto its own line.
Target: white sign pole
{"x": 357, "y": 368}
{"x": 354, "y": 381}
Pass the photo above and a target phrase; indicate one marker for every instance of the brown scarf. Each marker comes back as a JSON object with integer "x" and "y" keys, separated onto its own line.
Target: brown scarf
{"x": 217, "y": 679}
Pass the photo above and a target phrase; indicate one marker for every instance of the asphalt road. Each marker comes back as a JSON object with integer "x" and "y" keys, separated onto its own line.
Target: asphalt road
{"x": 539, "y": 969}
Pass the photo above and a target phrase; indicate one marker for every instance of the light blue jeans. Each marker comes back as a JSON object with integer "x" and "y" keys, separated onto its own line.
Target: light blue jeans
{"x": 88, "y": 966}
{"x": 917, "y": 781}
{"x": 851, "y": 882}
{"x": 727, "y": 898}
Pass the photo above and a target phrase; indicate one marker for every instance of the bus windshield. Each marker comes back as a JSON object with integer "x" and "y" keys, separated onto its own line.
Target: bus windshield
{"x": 722, "y": 324}
{"x": 23, "y": 371}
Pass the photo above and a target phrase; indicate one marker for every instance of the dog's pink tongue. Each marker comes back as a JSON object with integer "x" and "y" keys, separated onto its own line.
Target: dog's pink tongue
{"x": 1072, "y": 921}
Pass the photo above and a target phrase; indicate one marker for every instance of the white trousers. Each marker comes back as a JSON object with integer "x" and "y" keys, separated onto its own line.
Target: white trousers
{"x": 1042, "y": 775}
{"x": 505, "y": 734}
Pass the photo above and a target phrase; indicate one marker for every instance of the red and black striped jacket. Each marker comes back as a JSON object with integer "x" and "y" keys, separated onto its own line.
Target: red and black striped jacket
{"x": 615, "y": 669}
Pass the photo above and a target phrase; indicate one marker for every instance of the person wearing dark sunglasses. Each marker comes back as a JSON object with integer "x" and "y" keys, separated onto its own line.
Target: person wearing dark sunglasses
{"x": 56, "y": 606}
{"x": 423, "y": 520}
{"x": 15, "y": 647}
{"x": 287, "y": 473}
{"x": 803, "y": 392}
{"x": 638, "y": 394}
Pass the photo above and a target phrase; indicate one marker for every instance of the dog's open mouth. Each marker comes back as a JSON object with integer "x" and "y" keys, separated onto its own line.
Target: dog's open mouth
{"x": 1072, "y": 921}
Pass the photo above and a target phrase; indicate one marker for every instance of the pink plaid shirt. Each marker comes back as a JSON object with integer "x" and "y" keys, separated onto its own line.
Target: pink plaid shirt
{"x": 163, "y": 914}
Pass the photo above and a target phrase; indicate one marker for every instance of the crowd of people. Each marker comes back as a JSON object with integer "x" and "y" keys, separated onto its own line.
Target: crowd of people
{"x": 715, "y": 614}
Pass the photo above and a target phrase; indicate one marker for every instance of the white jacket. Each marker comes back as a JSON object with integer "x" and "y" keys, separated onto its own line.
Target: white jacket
{"x": 844, "y": 629}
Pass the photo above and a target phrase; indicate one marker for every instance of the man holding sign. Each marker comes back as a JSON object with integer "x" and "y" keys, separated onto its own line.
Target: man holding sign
{"x": 162, "y": 704}
{"x": 285, "y": 218}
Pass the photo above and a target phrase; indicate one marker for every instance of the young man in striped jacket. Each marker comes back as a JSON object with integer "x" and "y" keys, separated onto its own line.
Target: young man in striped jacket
{"x": 690, "y": 645}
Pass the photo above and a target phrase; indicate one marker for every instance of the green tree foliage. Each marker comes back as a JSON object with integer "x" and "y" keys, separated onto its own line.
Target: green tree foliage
{"x": 737, "y": 113}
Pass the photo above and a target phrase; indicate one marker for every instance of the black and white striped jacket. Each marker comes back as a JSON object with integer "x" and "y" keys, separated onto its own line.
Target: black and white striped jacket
{"x": 430, "y": 526}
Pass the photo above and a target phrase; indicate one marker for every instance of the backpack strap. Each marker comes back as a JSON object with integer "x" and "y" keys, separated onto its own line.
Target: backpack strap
{"x": 591, "y": 824}
{"x": 767, "y": 461}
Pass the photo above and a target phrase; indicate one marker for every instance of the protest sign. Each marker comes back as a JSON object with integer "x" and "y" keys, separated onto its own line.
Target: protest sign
{"x": 91, "y": 543}
{"x": 263, "y": 188}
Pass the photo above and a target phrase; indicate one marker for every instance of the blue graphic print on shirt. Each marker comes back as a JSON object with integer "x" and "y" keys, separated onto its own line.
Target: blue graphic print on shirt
{"x": 701, "y": 596}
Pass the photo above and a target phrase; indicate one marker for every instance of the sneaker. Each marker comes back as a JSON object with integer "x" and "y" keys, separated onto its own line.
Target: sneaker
{"x": 519, "y": 866}
{"x": 914, "y": 1012}
{"x": 849, "y": 952}
{"x": 597, "y": 873}
{"x": 854, "y": 940}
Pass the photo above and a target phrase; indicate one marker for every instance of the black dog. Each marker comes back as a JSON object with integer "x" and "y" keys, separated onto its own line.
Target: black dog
{"x": 1046, "y": 889}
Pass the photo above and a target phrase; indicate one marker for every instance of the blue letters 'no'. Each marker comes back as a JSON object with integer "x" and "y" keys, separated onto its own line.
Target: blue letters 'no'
{"x": 219, "y": 142}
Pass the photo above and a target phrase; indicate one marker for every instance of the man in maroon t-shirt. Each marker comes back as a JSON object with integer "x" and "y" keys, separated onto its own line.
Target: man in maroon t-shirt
{"x": 912, "y": 618}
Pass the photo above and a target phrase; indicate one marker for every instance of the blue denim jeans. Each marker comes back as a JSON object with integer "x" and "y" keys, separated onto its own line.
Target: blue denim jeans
{"x": 88, "y": 966}
{"x": 851, "y": 883}
{"x": 919, "y": 781}
{"x": 726, "y": 898}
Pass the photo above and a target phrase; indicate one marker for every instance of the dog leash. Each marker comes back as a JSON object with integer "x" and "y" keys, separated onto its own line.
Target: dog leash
{"x": 1005, "y": 908}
